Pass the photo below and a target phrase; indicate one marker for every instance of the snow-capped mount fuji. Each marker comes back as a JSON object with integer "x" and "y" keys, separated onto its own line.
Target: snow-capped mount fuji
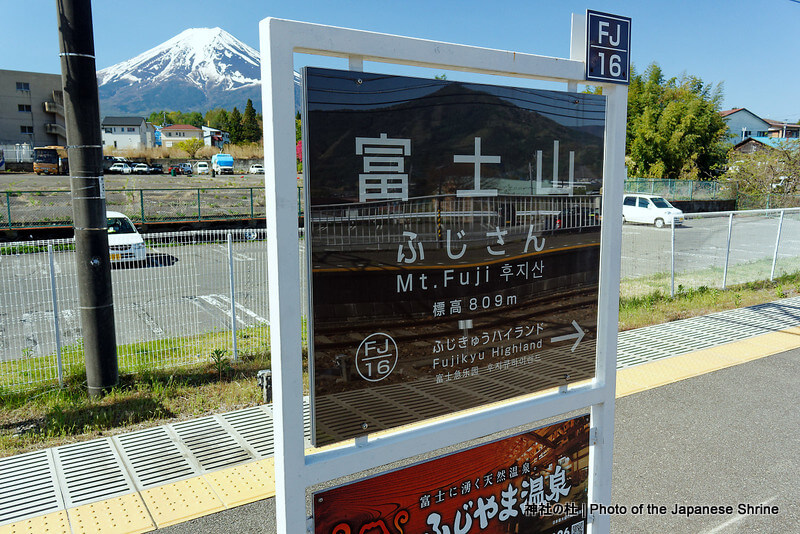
{"x": 197, "y": 70}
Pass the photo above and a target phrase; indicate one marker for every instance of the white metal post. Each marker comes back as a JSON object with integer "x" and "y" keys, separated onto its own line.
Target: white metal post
{"x": 295, "y": 471}
{"x": 233, "y": 297}
{"x": 602, "y": 414}
{"x": 277, "y": 76}
{"x": 56, "y": 326}
{"x": 727, "y": 252}
{"x": 777, "y": 243}
{"x": 672, "y": 261}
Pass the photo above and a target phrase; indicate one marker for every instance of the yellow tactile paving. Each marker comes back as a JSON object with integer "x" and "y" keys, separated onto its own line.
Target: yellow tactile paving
{"x": 121, "y": 515}
{"x": 244, "y": 483}
{"x": 181, "y": 501}
{"x": 650, "y": 375}
{"x": 53, "y": 523}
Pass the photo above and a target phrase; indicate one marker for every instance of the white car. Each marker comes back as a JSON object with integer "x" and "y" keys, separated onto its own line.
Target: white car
{"x": 120, "y": 168}
{"x": 256, "y": 168}
{"x": 125, "y": 244}
{"x": 201, "y": 167}
{"x": 649, "y": 209}
{"x": 141, "y": 168}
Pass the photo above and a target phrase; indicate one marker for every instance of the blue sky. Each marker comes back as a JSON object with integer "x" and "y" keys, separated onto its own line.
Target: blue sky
{"x": 751, "y": 46}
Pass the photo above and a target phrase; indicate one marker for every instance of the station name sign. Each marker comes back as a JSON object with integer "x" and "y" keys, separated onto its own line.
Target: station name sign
{"x": 608, "y": 47}
{"x": 453, "y": 232}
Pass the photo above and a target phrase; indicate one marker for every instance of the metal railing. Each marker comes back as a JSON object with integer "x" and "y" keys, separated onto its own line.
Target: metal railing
{"x": 681, "y": 189}
{"x": 710, "y": 250}
{"x": 204, "y": 290}
{"x": 196, "y": 292}
{"x": 21, "y": 209}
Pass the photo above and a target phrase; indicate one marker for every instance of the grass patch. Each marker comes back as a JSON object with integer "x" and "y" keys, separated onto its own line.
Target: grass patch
{"x": 658, "y": 307}
{"x": 40, "y": 414}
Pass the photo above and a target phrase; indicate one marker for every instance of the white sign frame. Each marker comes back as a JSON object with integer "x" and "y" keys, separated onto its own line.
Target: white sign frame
{"x": 295, "y": 470}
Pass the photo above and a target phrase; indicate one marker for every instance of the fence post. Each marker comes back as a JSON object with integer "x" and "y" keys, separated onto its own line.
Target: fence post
{"x": 141, "y": 203}
{"x": 198, "y": 207}
{"x": 233, "y": 297}
{"x": 727, "y": 252}
{"x": 252, "y": 208}
{"x": 672, "y": 263}
{"x": 777, "y": 242}
{"x": 59, "y": 363}
{"x": 8, "y": 207}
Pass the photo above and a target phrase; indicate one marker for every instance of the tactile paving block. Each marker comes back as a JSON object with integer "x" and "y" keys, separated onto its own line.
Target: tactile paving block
{"x": 245, "y": 483}
{"x": 181, "y": 501}
{"x": 120, "y": 515}
{"x": 55, "y": 523}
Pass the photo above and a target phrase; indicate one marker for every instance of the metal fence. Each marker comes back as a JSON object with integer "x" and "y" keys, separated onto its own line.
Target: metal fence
{"x": 17, "y": 153}
{"x": 20, "y": 209}
{"x": 713, "y": 250}
{"x": 201, "y": 290}
{"x": 196, "y": 292}
{"x": 682, "y": 189}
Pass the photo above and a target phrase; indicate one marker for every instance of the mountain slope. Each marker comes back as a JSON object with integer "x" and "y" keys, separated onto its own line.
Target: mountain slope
{"x": 197, "y": 70}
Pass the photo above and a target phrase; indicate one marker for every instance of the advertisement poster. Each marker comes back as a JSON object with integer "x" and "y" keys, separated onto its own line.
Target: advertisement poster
{"x": 453, "y": 235}
{"x": 535, "y": 482}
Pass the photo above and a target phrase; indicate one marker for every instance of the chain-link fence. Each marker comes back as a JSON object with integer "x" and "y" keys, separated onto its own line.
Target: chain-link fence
{"x": 196, "y": 292}
{"x": 714, "y": 250}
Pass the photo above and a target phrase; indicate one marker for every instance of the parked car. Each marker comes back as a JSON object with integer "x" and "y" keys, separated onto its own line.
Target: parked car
{"x": 201, "y": 167}
{"x": 125, "y": 244}
{"x": 120, "y": 168}
{"x": 180, "y": 168}
{"x": 649, "y": 209}
{"x": 256, "y": 168}
{"x": 141, "y": 168}
{"x": 156, "y": 168}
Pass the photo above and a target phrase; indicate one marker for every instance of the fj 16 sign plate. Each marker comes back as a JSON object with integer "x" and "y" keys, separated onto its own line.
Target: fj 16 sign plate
{"x": 454, "y": 236}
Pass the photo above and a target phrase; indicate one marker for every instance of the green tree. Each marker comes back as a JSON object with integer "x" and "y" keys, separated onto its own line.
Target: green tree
{"x": 250, "y": 129}
{"x": 674, "y": 127}
{"x": 217, "y": 118}
{"x": 235, "y": 126}
{"x": 769, "y": 176}
{"x": 191, "y": 146}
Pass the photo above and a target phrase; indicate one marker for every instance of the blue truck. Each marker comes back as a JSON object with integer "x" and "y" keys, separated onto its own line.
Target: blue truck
{"x": 222, "y": 164}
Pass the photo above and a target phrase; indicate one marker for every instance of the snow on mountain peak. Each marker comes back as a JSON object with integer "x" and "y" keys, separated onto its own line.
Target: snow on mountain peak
{"x": 197, "y": 70}
{"x": 202, "y": 56}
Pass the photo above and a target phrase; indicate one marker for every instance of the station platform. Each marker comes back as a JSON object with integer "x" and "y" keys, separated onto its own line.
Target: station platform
{"x": 161, "y": 476}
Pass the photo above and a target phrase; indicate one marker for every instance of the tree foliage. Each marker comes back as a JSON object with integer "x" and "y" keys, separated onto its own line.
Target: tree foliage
{"x": 674, "y": 127}
{"x": 251, "y": 129}
{"x": 768, "y": 175}
{"x": 217, "y": 118}
{"x": 235, "y": 126}
{"x": 191, "y": 146}
{"x": 162, "y": 117}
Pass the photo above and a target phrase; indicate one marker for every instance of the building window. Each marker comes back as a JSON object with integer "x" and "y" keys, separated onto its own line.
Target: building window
{"x": 107, "y": 130}
{"x": 23, "y": 86}
{"x": 24, "y": 107}
{"x": 26, "y": 130}
{"x": 131, "y": 129}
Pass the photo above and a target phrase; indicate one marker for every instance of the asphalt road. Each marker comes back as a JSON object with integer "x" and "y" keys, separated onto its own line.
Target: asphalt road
{"x": 727, "y": 438}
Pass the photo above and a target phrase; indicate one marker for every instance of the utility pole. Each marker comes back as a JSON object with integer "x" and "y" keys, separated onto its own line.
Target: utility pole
{"x": 85, "y": 152}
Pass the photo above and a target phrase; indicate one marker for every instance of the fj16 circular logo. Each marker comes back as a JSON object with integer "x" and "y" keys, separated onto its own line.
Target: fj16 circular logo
{"x": 376, "y": 357}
